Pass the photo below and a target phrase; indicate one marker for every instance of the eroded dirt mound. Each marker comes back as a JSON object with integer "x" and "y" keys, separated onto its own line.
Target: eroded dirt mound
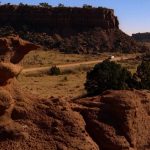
{"x": 118, "y": 120}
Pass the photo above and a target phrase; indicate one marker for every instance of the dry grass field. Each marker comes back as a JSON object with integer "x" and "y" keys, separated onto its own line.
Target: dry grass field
{"x": 70, "y": 83}
{"x": 53, "y": 57}
{"x": 131, "y": 65}
{"x": 43, "y": 58}
{"x": 67, "y": 85}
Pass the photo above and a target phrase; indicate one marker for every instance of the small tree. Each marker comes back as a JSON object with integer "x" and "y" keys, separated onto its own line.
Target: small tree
{"x": 8, "y": 4}
{"x": 55, "y": 71}
{"x": 21, "y": 4}
{"x": 87, "y": 6}
{"x": 107, "y": 75}
{"x": 61, "y": 5}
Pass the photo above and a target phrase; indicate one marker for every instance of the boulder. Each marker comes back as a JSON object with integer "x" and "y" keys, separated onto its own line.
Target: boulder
{"x": 118, "y": 119}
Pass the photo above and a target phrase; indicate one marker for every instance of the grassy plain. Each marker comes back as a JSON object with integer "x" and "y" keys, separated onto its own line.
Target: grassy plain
{"x": 70, "y": 83}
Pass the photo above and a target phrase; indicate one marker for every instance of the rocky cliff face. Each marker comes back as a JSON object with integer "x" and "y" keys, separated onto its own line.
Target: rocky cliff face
{"x": 48, "y": 19}
{"x": 70, "y": 30}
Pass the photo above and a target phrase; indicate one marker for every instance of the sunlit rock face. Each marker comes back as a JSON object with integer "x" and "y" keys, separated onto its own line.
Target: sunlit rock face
{"x": 118, "y": 120}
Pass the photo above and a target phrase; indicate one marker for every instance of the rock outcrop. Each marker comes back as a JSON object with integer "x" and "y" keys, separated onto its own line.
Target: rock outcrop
{"x": 29, "y": 121}
{"x": 118, "y": 120}
{"x": 12, "y": 50}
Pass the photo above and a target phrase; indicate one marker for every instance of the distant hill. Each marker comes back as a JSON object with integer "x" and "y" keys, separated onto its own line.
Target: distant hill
{"x": 144, "y": 37}
{"x": 71, "y": 30}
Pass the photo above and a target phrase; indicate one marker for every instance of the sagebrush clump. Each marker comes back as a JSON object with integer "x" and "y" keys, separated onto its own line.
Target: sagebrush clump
{"x": 109, "y": 75}
{"x": 55, "y": 70}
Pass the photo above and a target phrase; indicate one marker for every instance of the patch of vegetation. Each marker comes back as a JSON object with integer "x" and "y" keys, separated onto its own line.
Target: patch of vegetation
{"x": 107, "y": 75}
{"x": 87, "y": 6}
{"x": 6, "y": 31}
{"x": 55, "y": 70}
{"x": 112, "y": 76}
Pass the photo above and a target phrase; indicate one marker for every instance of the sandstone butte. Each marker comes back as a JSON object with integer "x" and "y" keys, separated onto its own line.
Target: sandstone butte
{"x": 70, "y": 30}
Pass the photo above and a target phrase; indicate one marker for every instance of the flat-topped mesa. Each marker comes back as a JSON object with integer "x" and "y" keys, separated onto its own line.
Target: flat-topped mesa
{"x": 144, "y": 37}
{"x": 58, "y": 17}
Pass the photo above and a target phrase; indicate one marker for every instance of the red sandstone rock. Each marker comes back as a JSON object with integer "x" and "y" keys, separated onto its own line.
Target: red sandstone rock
{"x": 118, "y": 120}
{"x": 13, "y": 49}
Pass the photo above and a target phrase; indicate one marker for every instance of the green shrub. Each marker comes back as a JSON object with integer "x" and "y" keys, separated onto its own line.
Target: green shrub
{"x": 143, "y": 73}
{"x": 54, "y": 71}
{"x": 45, "y": 5}
{"x": 108, "y": 75}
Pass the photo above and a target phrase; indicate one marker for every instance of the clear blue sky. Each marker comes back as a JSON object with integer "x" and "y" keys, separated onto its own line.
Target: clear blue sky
{"x": 134, "y": 15}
